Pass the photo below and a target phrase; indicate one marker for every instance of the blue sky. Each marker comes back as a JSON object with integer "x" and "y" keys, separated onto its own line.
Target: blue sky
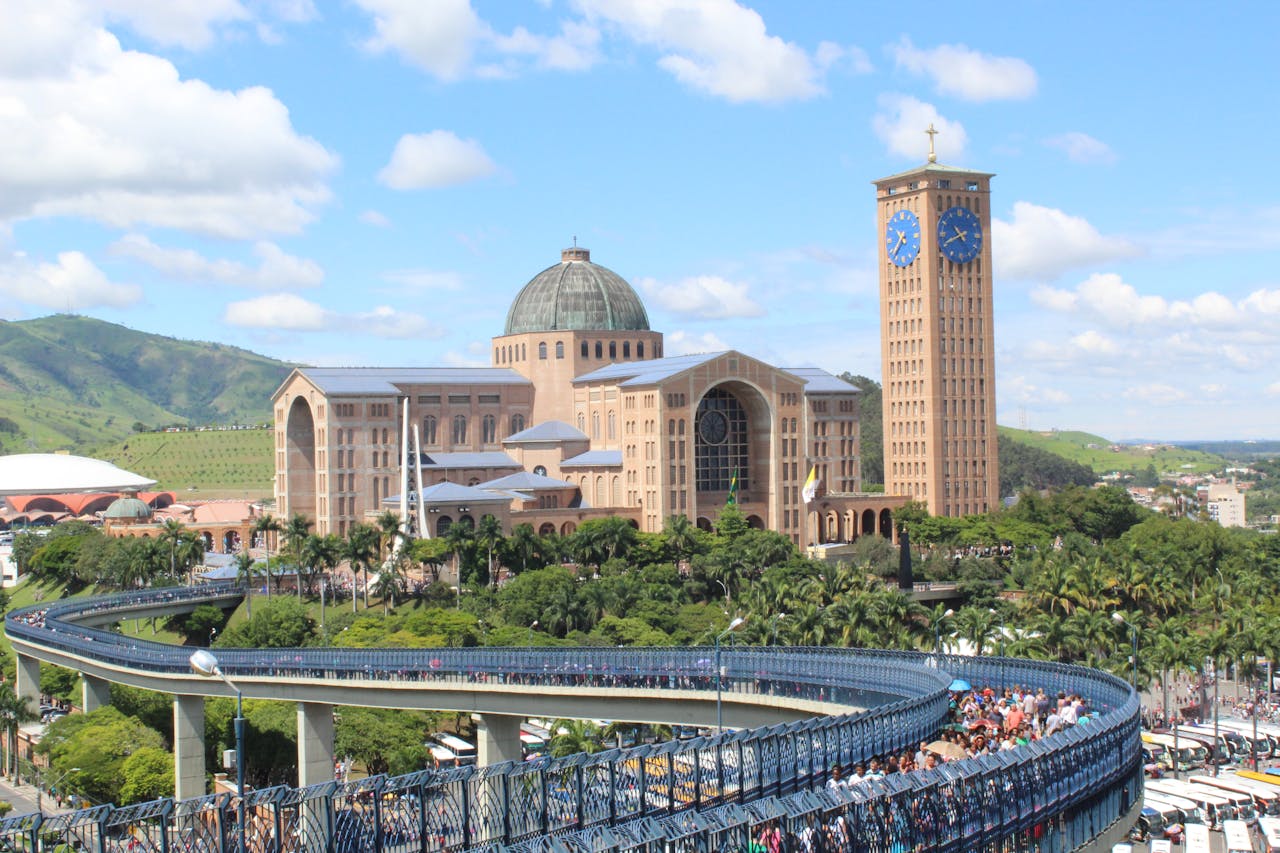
{"x": 371, "y": 182}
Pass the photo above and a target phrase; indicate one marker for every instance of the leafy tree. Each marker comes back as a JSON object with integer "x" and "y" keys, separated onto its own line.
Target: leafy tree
{"x": 200, "y": 625}
{"x": 154, "y": 710}
{"x": 14, "y": 712}
{"x": 360, "y": 550}
{"x": 98, "y": 743}
{"x": 147, "y": 775}
{"x": 870, "y": 416}
{"x": 280, "y": 623}
{"x": 489, "y": 536}
{"x": 383, "y": 740}
{"x": 265, "y": 525}
{"x": 296, "y": 531}
{"x": 522, "y": 546}
{"x": 570, "y": 737}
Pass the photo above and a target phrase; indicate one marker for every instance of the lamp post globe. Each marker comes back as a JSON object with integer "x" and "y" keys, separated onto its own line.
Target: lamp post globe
{"x": 204, "y": 663}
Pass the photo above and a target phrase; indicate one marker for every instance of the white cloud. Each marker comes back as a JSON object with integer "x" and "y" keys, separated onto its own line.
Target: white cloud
{"x": 715, "y": 46}
{"x": 1157, "y": 394}
{"x": 276, "y": 270}
{"x": 1041, "y": 243}
{"x": 185, "y": 23}
{"x": 683, "y": 343}
{"x": 1095, "y": 342}
{"x": 901, "y": 122}
{"x": 1273, "y": 390}
{"x": 289, "y": 312}
{"x": 968, "y": 74}
{"x": 1082, "y": 148}
{"x": 118, "y": 136}
{"x": 576, "y": 48}
{"x": 438, "y": 37}
{"x": 707, "y": 297}
{"x": 374, "y": 218}
{"x": 1022, "y": 390}
{"x": 74, "y": 283}
{"x": 435, "y": 159}
{"x": 1107, "y": 298}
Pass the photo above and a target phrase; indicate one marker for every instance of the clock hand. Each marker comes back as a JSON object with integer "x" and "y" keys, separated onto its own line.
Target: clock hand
{"x": 960, "y": 235}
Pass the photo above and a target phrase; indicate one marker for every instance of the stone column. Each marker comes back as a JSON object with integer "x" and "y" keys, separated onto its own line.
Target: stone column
{"x": 188, "y": 747}
{"x": 27, "y": 683}
{"x": 95, "y": 692}
{"x": 497, "y": 738}
{"x": 315, "y": 743}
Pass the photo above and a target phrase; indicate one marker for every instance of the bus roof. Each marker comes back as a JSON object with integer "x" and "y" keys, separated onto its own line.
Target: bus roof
{"x": 1236, "y": 833}
{"x": 1270, "y": 829}
{"x": 455, "y": 743}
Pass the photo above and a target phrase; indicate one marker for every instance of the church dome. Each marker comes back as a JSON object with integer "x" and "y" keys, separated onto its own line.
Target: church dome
{"x": 578, "y": 295}
{"x": 128, "y": 508}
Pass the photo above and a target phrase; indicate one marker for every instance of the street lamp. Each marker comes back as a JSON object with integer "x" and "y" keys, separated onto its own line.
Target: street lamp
{"x": 1217, "y": 676}
{"x": 1120, "y": 620}
{"x": 726, "y": 593}
{"x": 204, "y": 663}
{"x": 40, "y": 783}
{"x": 733, "y": 626}
{"x": 937, "y": 630}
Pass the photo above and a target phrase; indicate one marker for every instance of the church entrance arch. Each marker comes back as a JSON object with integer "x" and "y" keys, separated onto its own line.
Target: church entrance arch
{"x": 868, "y": 522}
{"x": 731, "y": 434}
{"x": 300, "y": 458}
{"x": 886, "y": 523}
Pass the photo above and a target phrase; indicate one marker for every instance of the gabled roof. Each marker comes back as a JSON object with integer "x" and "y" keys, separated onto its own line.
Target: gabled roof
{"x": 480, "y": 459}
{"x": 373, "y": 381}
{"x": 819, "y": 381}
{"x": 525, "y": 480}
{"x": 594, "y": 459}
{"x": 449, "y": 493}
{"x": 649, "y": 372}
{"x": 547, "y": 431}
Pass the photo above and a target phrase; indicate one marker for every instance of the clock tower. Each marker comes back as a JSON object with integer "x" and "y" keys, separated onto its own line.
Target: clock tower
{"x": 936, "y": 336}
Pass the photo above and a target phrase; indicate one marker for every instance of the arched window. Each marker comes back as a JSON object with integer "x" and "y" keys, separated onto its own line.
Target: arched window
{"x": 443, "y": 523}
{"x": 459, "y": 429}
{"x": 546, "y": 529}
{"x": 559, "y": 349}
{"x": 585, "y": 349}
{"x": 488, "y": 429}
{"x": 582, "y": 423}
{"x": 429, "y": 429}
{"x": 542, "y": 350}
{"x": 720, "y": 442}
{"x": 599, "y": 350}
{"x": 639, "y": 349}
{"x": 613, "y": 349}
{"x": 540, "y": 470}
{"x": 626, "y": 349}
{"x": 613, "y": 425}
{"x": 595, "y": 424}
{"x": 517, "y": 423}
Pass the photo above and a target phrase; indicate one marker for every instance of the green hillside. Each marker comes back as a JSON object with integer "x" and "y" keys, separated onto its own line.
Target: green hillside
{"x": 1103, "y": 457}
{"x": 205, "y": 464}
{"x": 69, "y": 383}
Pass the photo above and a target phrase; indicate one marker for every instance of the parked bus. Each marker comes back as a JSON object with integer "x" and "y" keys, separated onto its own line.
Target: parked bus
{"x": 1185, "y": 755}
{"x": 1198, "y": 839}
{"x": 1265, "y": 743}
{"x": 1189, "y": 812}
{"x": 1157, "y": 821}
{"x": 1266, "y": 798}
{"x": 1216, "y": 808}
{"x": 443, "y": 758}
{"x": 466, "y": 752}
{"x": 532, "y": 746}
{"x": 1231, "y": 747}
{"x": 1236, "y": 834}
{"x": 1269, "y": 829}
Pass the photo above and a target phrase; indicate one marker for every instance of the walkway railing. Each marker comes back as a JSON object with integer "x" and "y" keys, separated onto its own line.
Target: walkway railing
{"x": 722, "y": 792}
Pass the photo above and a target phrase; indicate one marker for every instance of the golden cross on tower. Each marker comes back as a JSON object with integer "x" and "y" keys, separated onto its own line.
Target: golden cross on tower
{"x": 933, "y": 158}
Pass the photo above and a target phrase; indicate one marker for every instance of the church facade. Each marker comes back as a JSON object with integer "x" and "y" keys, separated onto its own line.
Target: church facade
{"x": 580, "y": 415}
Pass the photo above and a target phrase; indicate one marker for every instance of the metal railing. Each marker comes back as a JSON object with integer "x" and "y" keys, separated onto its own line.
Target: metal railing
{"x": 733, "y": 790}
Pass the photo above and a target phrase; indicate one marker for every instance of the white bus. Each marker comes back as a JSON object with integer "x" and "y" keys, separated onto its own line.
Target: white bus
{"x": 1236, "y": 834}
{"x": 1185, "y": 755}
{"x": 443, "y": 758}
{"x": 466, "y": 752}
{"x": 1269, "y": 828}
{"x": 1190, "y": 811}
{"x": 1216, "y": 808}
{"x": 1266, "y": 798}
{"x": 1198, "y": 839}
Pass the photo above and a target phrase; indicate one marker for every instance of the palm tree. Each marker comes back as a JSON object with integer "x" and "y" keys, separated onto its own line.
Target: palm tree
{"x": 14, "y": 711}
{"x": 296, "y": 531}
{"x": 459, "y": 536}
{"x": 172, "y": 534}
{"x": 390, "y": 582}
{"x": 571, "y": 737}
{"x": 266, "y": 525}
{"x": 489, "y": 535}
{"x": 523, "y": 544}
{"x": 244, "y": 572}
{"x": 389, "y": 530}
{"x": 681, "y": 537}
{"x": 361, "y": 550}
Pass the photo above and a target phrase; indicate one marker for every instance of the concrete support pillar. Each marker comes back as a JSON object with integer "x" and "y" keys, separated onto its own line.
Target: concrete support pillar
{"x": 315, "y": 743}
{"x": 27, "y": 683}
{"x": 94, "y": 692}
{"x": 188, "y": 747}
{"x": 497, "y": 738}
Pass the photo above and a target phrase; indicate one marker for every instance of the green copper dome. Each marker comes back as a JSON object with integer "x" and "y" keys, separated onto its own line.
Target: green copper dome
{"x": 576, "y": 294}
{"x": 128, "y": 508}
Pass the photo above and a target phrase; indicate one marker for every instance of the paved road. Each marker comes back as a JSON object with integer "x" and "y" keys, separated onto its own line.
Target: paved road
{"x": 22, "y": 796}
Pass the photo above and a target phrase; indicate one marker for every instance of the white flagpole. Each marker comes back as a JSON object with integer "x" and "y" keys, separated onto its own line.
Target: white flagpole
{"x": 423, "y": 532}
{"x": 404, "y": 477}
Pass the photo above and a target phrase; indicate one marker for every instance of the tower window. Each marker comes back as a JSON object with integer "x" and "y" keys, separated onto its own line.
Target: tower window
{"x": 542, "y": 350}
{"x": 559, "y": 349}
{"x": 599, "y": 350}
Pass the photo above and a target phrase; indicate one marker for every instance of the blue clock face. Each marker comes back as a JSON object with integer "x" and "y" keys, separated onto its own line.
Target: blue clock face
{"x": 902, "y": 238}
{"x": 959, "y": 235}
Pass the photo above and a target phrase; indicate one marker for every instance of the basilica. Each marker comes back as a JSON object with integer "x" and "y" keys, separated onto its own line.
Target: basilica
{"x": 581, "y": 415}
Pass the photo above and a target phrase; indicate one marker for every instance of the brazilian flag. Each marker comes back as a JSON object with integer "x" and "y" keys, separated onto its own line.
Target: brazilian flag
{"x": 733, "y": 488}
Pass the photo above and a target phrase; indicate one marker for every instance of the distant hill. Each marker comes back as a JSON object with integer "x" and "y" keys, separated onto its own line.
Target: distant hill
{"x": 70, "y": 383}
{"x": 1104, "y": 457}
{"x": 199, "y": 464}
